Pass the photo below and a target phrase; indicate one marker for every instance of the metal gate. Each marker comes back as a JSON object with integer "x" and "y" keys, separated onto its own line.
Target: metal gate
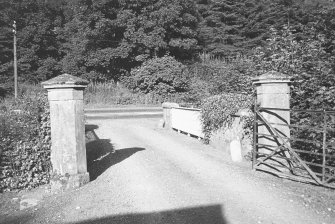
{"x": 306, "y": 153}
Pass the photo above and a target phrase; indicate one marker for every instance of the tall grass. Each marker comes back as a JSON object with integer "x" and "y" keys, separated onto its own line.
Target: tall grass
{"x": 110, "y": 93}
{"x": 25, "y": 90}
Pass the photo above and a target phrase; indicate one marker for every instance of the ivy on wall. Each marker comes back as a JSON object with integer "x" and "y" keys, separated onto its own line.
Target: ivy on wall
{"x": 216, "y": 111}
{"x": 25, "y": 143}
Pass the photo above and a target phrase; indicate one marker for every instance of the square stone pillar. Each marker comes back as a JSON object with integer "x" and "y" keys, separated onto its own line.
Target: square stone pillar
{"x": 273, "y": 91}
{"x": 68, "y": 149}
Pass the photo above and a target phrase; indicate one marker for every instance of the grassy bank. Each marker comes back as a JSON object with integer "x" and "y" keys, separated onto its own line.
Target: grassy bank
{"x": 110, "y": 93}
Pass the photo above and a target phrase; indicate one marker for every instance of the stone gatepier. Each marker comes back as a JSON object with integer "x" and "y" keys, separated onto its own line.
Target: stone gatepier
{"x": 68, "y": 150}
{"x": 273, "y": 91}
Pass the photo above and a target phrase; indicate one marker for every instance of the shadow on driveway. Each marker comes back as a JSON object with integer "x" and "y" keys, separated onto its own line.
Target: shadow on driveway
{"x": 101, "y": 154}
{"x": 198, "y": 215}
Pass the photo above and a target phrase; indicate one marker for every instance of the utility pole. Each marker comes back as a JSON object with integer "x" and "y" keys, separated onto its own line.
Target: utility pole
{"x": 15, "y": 61}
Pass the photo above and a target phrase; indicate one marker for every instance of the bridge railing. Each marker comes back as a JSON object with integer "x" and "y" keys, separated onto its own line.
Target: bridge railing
{"x": 187, "y": 120}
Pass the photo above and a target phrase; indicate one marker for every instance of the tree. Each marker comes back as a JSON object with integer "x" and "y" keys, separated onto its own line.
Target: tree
{"x": 162, "y": 76}
{"x": 6, "y": 42}
{"x": 105, "y": 39}
{"x": 220, "y": 27}
{"x": 160, "y": 27}
{"x": 309, "y": 61}
{"x": 37, "y": 44}
{"x": 229, "y": 28}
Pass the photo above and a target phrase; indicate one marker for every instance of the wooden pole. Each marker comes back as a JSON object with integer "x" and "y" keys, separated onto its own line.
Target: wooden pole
{"x": 324, "y": 152}
{"x": 15, "y": 61}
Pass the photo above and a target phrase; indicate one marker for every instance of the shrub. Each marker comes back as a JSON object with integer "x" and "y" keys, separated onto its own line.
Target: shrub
{"x": 162, "y": 76}
{"x": 25, "y": 143}
{"x": 4, "y": 90}
{"x": 216, "y": 111}
{"x": 225, "y": 76}
{"x": 198, "y": 91}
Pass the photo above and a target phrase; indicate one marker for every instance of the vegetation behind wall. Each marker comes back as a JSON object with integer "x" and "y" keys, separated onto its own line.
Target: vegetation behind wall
{"x": 216, "y": 111}
{"x": 25, "y": 143}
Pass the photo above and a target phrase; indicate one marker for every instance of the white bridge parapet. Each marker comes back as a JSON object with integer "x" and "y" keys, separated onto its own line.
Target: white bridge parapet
{"x": 187, "y": 120}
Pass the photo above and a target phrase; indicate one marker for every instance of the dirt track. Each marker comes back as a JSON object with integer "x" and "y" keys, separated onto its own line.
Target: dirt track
{"x": 144, "y": 174}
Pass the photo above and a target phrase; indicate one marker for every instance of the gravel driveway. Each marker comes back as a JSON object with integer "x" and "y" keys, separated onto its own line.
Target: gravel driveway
{"x": 144, "y": 174}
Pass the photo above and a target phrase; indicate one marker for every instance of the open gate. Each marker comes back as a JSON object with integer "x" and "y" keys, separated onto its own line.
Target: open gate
{"x": 302, "y": 148}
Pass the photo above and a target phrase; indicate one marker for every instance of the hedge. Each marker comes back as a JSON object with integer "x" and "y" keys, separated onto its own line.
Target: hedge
{"x": 25, "y": 143}
{"x": 216, "y": 111}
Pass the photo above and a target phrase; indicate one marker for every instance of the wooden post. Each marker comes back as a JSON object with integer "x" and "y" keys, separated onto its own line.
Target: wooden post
{"x": 324, "y": 146}
{"x": 15, "y": 61}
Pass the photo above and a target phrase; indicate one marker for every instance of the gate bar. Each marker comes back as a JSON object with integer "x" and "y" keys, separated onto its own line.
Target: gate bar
{"x": 254, "y": 151}
{"x": 292, "y": 151}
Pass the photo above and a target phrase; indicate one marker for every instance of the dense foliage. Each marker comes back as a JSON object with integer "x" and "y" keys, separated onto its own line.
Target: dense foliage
{"x": 215, "y": 76}
{"x": 307, "y": 57}
{"x": 226, "y": 76}
{"x": 105, "y": 39}
{"x": 163, "y": 76}
{"x": 98, "y": 40}
{"x": 25, "y": 143}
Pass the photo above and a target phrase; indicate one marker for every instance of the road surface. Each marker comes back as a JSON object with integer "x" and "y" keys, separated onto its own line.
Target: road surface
{"x": 142, "y": 173}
